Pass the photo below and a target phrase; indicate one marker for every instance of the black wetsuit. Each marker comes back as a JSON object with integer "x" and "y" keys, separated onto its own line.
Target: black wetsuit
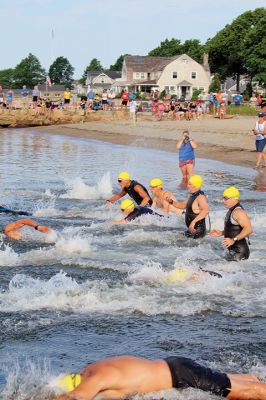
{"x": 239, "y": 250}
{"x": 8, "y": 211}
{"x": 134, "y": 195}
{"x": 200, "y": 226}
{"x": 138, "y": 211}
{"x": 187, "y": 373}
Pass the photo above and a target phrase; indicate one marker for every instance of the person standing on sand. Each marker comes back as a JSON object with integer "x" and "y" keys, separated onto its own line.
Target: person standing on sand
{"x": 260, "y": 133}
{"x": 35, "y": 95}
{"x": 10, "y": 97}
{"x": 2, "y": 97}
{"x": 186, "y": 147}
{"x": 25, "y": 97}
{"x": 67, "y": 96}
{"x": 133, "y": 111}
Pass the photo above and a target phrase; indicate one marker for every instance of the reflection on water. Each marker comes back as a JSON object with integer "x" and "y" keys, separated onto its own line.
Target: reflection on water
{"x": 261, "y": 180}
{"x": 92, "y": 290}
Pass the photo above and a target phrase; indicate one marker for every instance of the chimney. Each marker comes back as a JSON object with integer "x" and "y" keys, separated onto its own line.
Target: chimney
{"x": 206, "y": 59}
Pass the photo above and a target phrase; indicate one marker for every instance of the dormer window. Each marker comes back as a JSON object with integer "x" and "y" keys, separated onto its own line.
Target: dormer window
{"x": 174, "y": 75}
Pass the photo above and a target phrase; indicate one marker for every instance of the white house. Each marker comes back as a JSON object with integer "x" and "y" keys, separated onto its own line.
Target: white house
{"x": 177, "y": 75}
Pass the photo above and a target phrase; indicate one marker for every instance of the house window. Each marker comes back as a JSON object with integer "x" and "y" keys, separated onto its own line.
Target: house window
{"x": 102, "y": 80}
{"x": 166, "y": 88}
{"x": 142, "y": 75}
{"x": 174, "y": 75}
{"x": 172, "y": 89}
{"x": 193, "y": 75}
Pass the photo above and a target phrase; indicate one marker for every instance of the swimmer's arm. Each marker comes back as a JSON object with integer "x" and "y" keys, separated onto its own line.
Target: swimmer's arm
{"x": 87, "y": 390}
{"x": 178, "y": 204}
{"x": 120, "y": 222}
{"x": 143, "y": 194}
{"x": 216, "y": 233}
{"x": 204, "y": 210}
{"x": 116, "y": 196}
{"x": 242, "y": 218}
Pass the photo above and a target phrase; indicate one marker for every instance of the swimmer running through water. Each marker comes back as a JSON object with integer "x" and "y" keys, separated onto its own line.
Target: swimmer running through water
{"x": 12, "y": 230}
{"x": 121, "y": 377}
{"x": 131, "y": 212}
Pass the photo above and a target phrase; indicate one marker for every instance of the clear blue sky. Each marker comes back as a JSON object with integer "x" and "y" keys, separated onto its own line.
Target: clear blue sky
{"x": 105, "y": 29}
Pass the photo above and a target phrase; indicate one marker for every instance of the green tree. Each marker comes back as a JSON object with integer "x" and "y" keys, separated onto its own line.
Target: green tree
{"x": 215, "y": 84}
{"x": 194, "y": 49}
{"x": 6, "y": 77}
{"x": 61, "y": 72}
{"x": 95, "y": 65}
{"x": 232, "y": 51}
{"x": 28, "y": 72}
{"x": 254, "y": 47}
{"x": 117, "y": 66}
{"x": 167, "y": 48}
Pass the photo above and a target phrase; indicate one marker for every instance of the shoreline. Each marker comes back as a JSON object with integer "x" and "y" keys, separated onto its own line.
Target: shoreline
{"x": 220, "y": 140}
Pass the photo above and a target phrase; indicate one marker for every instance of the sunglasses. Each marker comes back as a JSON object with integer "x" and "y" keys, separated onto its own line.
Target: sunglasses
{"x": 226, "y": 198}
{"x": 119, "y": 180}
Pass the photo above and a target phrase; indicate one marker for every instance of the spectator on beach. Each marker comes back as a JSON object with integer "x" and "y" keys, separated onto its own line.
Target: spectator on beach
{"x": 10, "y": 98}
{"x": 2, "y": 97}
{"x": 67, "y": 96}
{"x": 253, "y": 101}
{"x": 35, "y": 95}
{"x": 25, "y": 96}
{"x": 133, "y": 111}
{"x": 132, "y": 95}
{"x": 219, "y": 97}
{"x": 104, "y": 100}
{"x": 90, "y": 97}
{"x": 124, "y": 98}
{"x": 160, "y": 110}
{"x": 222, "y": 111}
{"x": 186, "y": 147}
{"x": 216, "y": 105}
{"x": 111, "y": 98}
{"x": 260, "y": 133}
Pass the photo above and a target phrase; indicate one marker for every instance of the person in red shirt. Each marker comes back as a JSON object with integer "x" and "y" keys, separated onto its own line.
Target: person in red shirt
{"x": 124, "y": 98}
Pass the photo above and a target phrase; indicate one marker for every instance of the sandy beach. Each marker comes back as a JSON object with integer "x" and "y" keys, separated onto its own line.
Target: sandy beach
{"x": 223, "y": 140}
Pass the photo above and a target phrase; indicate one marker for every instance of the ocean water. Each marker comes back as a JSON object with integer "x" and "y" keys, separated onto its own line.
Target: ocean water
{"x": 91, "y": 290}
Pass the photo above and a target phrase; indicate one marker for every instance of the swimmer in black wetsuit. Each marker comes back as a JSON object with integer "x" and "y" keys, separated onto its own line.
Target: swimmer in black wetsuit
{"x": 8, "y": 211}
{"x": 124, "y": 376}
{"x": 237, "y": 227}
{"x": 134, "y": 189}
{"x": 197, "y": 208}
{"x": 128, "y": 208}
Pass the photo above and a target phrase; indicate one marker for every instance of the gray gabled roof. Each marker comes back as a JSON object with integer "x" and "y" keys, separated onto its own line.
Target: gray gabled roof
{"x": 111, "y": 74}
{"x": 184, "y": 83}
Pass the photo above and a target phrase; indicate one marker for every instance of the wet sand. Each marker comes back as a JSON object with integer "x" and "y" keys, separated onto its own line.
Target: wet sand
{"x": 222, "y": 140}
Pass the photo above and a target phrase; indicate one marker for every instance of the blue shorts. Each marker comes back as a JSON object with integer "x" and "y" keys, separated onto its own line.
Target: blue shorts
{"x": 260, "y": 144}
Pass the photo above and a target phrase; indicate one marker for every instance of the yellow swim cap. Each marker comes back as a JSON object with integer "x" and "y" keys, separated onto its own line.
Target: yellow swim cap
{"x": 177, "y": 275}
{"x": 124, "y": 176}
{"x": 196, "y": 181}
{"x": 232, "y": 193}
{"x": 70, "y": 382}
{"x": 156, "y": 182}
{"x": 127, "y": 204}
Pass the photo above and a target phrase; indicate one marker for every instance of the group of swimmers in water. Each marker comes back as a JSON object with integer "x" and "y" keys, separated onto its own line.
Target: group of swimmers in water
{"x": 237, "y": 225}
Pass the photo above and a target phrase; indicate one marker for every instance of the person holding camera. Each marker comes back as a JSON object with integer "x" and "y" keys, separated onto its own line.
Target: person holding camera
{"x": 260, "y": 133}
{"x": 186, "y": 147}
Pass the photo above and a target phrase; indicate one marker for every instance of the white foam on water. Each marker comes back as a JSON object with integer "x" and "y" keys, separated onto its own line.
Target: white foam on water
{"x": 27, "y": 381}
{"x": 79, "y": 190}
{"x": 8, "y": 257}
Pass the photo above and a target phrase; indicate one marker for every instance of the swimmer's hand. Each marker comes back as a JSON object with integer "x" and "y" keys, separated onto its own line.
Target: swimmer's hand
{"x": 227, "y": 242}
{"x": 44, "y": 229}
{"x": 215, "y": 233}
{"x": 191, "y": 227}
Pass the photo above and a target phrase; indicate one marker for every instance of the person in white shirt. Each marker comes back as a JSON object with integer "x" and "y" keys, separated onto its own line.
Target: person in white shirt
{"x": 133, "y": 111}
